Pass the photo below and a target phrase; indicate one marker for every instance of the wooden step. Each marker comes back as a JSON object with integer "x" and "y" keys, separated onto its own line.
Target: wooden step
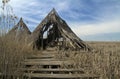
{"x": 53, "y": 70}
{"x": 45, "y": 59}
{"x": 41, "y": 56}
{"x": 48, "y": 62}
{"x": 38, "y": 57}
{"x": 60, "y": 76}
{"x": 0, "y": 74}
{"x": 49, "y": 52}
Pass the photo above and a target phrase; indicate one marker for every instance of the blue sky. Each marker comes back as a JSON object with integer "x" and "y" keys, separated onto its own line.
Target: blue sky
{"x": 91, "y": 20}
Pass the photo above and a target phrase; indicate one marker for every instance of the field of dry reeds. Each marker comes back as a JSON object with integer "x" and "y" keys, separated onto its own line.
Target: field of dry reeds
{"x": 12, "y": 53}
{"x": 104, "y": 61}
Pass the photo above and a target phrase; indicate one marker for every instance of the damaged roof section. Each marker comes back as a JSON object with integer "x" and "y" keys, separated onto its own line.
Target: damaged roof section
{"x": 53, "y": 31}
{"x": 20, "y": 31}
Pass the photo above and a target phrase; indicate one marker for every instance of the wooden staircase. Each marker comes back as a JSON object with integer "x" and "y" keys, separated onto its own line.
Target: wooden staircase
{"x": 47, "y": 66}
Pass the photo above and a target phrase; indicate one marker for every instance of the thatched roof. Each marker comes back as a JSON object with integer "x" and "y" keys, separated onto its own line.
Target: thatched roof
{"x": 56, "y": 29}
{"x": 20, "y": 31}
{"x": 20, "y": 27}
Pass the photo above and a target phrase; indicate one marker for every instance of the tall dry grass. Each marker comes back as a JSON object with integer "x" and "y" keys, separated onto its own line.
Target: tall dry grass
{"x": 12, "y": 53}
{"x": 104, "y": 62}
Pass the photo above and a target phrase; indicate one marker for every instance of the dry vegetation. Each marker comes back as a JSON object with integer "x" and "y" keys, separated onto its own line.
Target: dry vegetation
{"x": 12, "y": 53}
{"x": 105, "y": 61}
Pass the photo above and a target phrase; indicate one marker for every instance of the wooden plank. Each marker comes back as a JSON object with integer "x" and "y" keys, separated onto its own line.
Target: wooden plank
{"x": 51, "y": 70}
{"x": 0, "y": 74}
{"x": 48, "y": 59}
{"x": 44, "y": 55}
{"x": 60, "y": 76}
{"x": 49, "y": 52}
{"x": 41, "y": 56}
{"x": 38, "y": 57}
{"x": 48, "y": 63}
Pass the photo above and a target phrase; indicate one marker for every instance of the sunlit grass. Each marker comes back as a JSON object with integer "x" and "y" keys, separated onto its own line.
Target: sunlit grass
{"x": 104, "y": 61}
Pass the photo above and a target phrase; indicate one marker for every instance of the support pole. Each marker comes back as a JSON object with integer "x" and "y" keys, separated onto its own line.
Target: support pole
{"x": 42, "y": 41}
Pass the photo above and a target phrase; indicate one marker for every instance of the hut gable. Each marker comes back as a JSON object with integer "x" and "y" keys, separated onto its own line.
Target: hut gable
{"x": 20, "y": 31}
{"x": 20, "y": 27}
{"x": 53, "y": 31}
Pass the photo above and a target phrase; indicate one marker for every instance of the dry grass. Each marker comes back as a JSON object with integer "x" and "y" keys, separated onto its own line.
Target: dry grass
{"x": 12, "y": 53}
{"x": 105, "y": 61}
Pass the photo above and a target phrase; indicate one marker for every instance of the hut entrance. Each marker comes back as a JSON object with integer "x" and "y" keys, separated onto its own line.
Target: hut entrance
{"x": 50, "y": 36}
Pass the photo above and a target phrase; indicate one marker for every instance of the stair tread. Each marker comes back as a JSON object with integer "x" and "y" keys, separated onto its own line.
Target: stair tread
{"x": 46, "y": 59}
{"x": 43, "y": 55}
{"x": 38, "y": 69}
{"x": 36, "y": 75}
{"x": 47, "y": 62}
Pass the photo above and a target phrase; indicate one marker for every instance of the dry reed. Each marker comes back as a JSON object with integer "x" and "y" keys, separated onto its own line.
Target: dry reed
{"x": 12, "y": 53}
{"x": 104, "y": 62}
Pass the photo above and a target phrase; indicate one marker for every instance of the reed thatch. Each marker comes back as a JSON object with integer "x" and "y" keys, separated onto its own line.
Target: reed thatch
{"x": 53, "y": 31}
{"x": 20, "y": 31}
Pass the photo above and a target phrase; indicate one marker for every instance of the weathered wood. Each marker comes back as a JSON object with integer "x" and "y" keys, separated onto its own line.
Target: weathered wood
{"x": 38, "y": 57}
{"x": 20, "y": 32}
{"x": 41, "y": 56}
{"x": 47, "y": 66}
{"x": 0, "y": 74}
{"x": 48, "y": 63}
{"x": 44, "y": 55}
{"x": 45, "y": 59}
{"x": 51, "y": 70}
{"x": 60, "y": 76}
{"x": 60, "y": 29}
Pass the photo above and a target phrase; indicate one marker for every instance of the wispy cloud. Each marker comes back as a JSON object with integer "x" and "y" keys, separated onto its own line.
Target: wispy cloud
{"x": 98, "y": 28}
{"x": 85, "y": 17}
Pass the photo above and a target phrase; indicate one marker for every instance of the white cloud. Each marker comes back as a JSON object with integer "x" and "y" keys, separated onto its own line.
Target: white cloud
{"x": 100, "y": 11}
{"x": 32, "y": 20}
{"x": 98, "y": 28}
{"x": 62, "y": 6}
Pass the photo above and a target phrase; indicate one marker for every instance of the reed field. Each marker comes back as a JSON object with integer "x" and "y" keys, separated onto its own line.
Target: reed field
{"x": 104, "y": 61}
{"x": 12, "y": 53}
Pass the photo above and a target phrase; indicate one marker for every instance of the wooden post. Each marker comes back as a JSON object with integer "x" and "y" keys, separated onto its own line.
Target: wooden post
{"x": 42, "y": 40}
{"x": 63, "y": 42}
{"x": 47, "y": 37}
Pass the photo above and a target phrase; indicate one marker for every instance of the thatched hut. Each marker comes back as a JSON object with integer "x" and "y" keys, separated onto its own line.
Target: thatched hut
{"x": 53, "y": 31}
{"x": 20, "y": 31}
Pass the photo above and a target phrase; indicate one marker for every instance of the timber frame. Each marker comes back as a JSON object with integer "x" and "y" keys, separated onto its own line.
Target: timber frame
{"x": 58, "y": 34}
{"x": 52, "y": 32}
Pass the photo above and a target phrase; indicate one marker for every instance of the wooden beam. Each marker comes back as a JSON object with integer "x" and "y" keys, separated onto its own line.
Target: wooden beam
{"x": 60, "y": 76}
{"x": 48, "y": 63}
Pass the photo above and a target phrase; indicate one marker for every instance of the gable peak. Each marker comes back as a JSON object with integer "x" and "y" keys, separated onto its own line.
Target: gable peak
{"x": 53, "y": 11}
{"x": 21, "y": 20}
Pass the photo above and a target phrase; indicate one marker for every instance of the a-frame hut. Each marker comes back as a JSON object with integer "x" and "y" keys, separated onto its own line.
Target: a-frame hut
{"x": 53, "y": 31}
{"x": 20, "y": 31}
